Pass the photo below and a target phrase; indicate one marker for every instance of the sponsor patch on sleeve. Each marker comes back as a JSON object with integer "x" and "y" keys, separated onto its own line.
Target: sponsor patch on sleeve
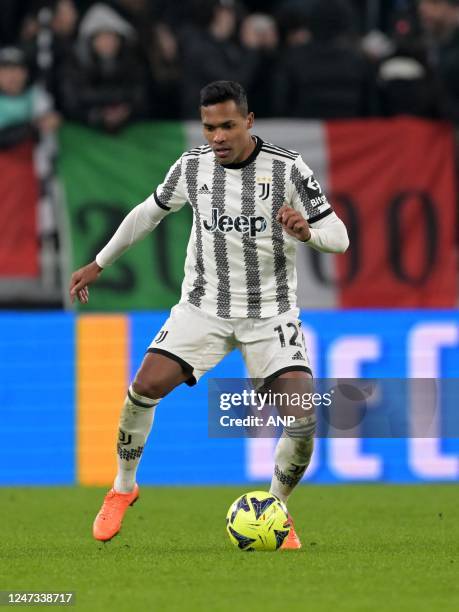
{"x": 314, "y": 191}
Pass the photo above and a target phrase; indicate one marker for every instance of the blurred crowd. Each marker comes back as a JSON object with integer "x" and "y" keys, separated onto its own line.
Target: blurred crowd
{"x": 107, "y": 64}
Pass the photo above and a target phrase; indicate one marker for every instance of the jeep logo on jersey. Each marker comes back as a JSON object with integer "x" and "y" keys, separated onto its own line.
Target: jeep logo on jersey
{"x": 245, "y": 225}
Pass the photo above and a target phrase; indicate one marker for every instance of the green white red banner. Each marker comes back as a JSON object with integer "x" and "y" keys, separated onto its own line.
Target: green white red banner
{"x": 18, "y": 213}
{"x": 393, "y": 184}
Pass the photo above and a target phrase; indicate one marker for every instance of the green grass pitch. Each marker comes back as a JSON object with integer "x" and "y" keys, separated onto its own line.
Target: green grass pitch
{"x": 365, "y": 548}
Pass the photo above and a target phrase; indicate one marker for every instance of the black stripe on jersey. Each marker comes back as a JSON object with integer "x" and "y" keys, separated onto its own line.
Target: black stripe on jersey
{"x": 280, "y": 149}
{"x": 198, "y": 151}
{"x": 298, "y": 181}
{"x": 280, "y": 260}
{"x": 200, "y": 148}
{"x": 249, "y": 245}
{"x": 220, "y": 249}
{"x": 170, "y": 185}
{"x": 199, "y": 285}
{"x": 320, "y": 216}
{"x": 295, "y": 154}
{"x": 279, "y": 153}
{"x": 159, "y": 203}
{"x": 276, "y": 146}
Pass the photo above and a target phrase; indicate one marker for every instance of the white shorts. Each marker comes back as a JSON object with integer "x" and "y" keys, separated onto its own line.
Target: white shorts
{"x": 198, "y": 342}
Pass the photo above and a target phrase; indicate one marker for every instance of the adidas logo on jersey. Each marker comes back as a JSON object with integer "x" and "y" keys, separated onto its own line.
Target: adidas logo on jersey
{"x": 298, "y": 356}
{"x": 244, "y": 225}
{"x": 204, "y": 190}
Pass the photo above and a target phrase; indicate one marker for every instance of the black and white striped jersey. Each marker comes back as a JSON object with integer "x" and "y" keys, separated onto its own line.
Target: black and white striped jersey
{"x": 240, "y": 262}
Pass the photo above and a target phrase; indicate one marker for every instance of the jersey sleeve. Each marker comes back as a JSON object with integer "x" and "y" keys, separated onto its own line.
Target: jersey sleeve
{"x": 329, "y": 235}
{"x": 306, "y": 195}
{"x": 171, "y": 194}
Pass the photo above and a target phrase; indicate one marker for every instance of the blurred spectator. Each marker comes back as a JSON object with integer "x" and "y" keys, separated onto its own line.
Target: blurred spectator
{"x": 139, "y": 13}
{"x": 406, "y": 83}
{"x": 321, "y": 72}
{"x": 406, "y": 86}
{"x": 164, "y": 62}
{"x": 48, "y": 33}
{"x": 291, "y": 20}
{"x": 440, "y": 19}
{"x": 377, "y": 45}
{"x": 259, "y": 32}
{"x": 103, "y": 83}
{"x": 12, "y": 13}
{"x": 210, "y": 52}
{"x": 160, "y": 51}
{"x": 25, "y": 110}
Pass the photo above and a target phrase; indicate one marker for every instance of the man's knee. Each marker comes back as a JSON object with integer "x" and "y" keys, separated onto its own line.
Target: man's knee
{"x": 154, "y": 389}
{"x": 158, "y": 375}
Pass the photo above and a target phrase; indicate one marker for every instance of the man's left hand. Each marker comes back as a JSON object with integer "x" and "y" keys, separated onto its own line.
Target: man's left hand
{"x": 294, "y": 223}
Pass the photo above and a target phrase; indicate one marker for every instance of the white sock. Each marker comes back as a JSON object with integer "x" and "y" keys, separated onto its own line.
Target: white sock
{"x": 292, "y": 457}
{"x": 136, "y": 421}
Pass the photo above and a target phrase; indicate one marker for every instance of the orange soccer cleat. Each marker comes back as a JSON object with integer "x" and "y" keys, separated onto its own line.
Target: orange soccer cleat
{"x": 292, "y": 541}
{"x": 108, "y": 521}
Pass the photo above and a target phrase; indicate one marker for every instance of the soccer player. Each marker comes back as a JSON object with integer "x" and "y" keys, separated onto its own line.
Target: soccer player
{"x": 252, "y": 202}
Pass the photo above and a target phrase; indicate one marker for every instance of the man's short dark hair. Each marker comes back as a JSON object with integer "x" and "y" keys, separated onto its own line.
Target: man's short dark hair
{"x": 222, "y": 91}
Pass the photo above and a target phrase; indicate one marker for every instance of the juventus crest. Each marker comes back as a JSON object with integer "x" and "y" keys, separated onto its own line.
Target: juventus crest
{"x": 264, "y": 184}
{"x": 161, "y": 336}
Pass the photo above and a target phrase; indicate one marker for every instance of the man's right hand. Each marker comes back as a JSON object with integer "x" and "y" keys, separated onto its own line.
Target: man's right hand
{"x": 80, "y": 281}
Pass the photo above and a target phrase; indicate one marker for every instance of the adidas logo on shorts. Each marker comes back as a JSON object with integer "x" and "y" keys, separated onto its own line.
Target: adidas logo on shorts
{"x": 298, "y": 356}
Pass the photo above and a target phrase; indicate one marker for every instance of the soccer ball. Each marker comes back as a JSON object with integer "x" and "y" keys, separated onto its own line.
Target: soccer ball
{"x": 257, "y": 521}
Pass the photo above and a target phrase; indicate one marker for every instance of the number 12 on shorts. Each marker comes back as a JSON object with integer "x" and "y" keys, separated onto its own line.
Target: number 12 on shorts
{"x": 292, "y": 331}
